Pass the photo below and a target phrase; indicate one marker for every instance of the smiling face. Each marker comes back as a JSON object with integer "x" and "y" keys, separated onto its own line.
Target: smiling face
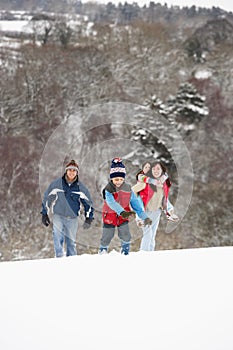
{"x": 71, "y": 174}
{"x": 118, "y": 181}
{"x": 146, "y": 168}
{"x": 157, "y": 170}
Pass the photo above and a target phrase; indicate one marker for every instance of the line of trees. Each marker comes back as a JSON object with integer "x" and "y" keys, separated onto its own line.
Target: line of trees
{"x": 122, "y": 13}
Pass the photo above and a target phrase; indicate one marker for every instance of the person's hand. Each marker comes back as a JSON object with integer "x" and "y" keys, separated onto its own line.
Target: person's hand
{"x": 127, "y": 214}
{"x": 147, "y": 222}
{"x": 142, "y": 178}
{"x": 45, "y": 220}
{"x": 87, "y": 223}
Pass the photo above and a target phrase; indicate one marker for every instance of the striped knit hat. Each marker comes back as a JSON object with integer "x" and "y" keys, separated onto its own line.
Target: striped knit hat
{"x": 117, "y": 168}
{"x": 72, "y": 165}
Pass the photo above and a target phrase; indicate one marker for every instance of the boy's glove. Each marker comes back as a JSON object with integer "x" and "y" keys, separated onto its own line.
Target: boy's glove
{"x": 45, "y": 220}
{"x": 147, "y": 222}
{"x": 127, "y": 214}
{"x": 87, "y": 223}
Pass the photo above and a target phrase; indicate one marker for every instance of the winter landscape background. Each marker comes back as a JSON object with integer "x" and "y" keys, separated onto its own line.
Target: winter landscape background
{"x": 92, "y": 81}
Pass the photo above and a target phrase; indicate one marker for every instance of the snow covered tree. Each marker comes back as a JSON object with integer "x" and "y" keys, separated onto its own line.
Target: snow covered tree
{"x": 151, "y": 147}
{"x": 154, "y": 103}
{"x": 189, "y": 105}
{"x": 183, "y": 110}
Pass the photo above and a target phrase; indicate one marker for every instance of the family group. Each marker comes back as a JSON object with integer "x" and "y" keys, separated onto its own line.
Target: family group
{"x": 145, "y": 201}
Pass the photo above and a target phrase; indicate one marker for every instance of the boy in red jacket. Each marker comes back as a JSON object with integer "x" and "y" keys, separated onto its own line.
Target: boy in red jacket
{"x": 119, "y": 200}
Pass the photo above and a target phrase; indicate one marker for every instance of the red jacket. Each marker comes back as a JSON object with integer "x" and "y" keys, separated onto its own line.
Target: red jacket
{"x": 122, "y": 196}
{"x": 148, "y": 193}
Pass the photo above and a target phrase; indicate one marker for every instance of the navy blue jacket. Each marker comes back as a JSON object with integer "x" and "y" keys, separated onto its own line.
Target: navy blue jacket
{"x": 65, "y": 199}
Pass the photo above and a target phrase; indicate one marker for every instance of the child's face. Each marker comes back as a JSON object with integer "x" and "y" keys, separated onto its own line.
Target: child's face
{"x": 118, "y": 181}
{"x": 157, "y": 171}
{"x": 146, "y": 168}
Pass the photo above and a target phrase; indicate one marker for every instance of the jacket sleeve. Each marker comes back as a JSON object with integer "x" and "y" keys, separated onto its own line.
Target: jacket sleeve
{"x": 51, "y": 196}
{"x": 112, "y": 203}
{"x": 45, "y": 202}
{"x": 85, "y": 199}
{"x": 137, "y": 205}
{"x": 138, "y": 187}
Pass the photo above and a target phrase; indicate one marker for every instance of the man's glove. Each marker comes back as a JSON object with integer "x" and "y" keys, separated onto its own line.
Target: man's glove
{"x": 45, "y": 219}
{"x": 127, "y": 214}
{"x": 87, "y": 223}
{"x": 147, "y": 222}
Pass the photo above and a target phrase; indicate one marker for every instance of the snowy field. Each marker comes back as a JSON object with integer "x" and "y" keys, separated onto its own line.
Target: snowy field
{"x": 16, "y": 26}
{"x": 163, "y": 300}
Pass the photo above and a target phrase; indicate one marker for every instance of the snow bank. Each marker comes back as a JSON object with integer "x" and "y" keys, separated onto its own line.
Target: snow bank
{"x": 179, "y": 299}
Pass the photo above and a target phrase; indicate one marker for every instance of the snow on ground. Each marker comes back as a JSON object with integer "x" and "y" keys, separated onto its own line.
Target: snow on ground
{"x": 180, "y": 299}
{"x": 203, "y": 74}
{"x": 16, "y": 26}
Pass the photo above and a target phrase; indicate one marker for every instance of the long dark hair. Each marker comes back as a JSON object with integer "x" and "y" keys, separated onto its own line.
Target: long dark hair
{"x": 141, "y": 170}
{"x": 164, "y": 170}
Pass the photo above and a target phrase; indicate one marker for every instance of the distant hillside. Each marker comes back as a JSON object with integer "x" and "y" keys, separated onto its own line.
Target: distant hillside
{"x": 121, "y": 13}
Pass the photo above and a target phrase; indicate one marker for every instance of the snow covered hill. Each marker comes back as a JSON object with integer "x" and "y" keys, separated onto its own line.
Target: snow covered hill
{"x": 180, "y": 299}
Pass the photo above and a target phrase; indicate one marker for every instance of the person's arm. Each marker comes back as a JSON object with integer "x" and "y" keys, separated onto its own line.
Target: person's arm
{"x": 51, "y": 196}
{"x": 138, "y": 187}
{"x": 112, "y": 203}
{"x": 46, "y": 207}
{"x": 152, "y": 181}
{"x": 137, "y": 206}
{"x": 86, "y": 201}
{"x": 45, "y": 202}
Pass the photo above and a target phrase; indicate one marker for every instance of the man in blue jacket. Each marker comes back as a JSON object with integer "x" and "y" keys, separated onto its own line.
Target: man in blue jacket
{"x": 63, "y": 198}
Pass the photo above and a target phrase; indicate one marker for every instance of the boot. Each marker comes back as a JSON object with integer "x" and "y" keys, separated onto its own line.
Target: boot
{"x": 125, "y": 248}
{"x": 103, "y": 250}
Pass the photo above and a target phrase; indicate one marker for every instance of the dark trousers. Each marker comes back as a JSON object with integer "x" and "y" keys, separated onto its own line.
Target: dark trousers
{"x": 109, "y": 231}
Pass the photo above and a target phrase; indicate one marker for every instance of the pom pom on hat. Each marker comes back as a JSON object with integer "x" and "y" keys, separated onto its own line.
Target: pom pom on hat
{"x": 117, "y": 168}
{"x": 71, "y": 165}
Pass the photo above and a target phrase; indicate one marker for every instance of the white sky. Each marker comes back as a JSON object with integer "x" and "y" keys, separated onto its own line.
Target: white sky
{"x": 177, "y": 299}
{"x": 224, "y": 4}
